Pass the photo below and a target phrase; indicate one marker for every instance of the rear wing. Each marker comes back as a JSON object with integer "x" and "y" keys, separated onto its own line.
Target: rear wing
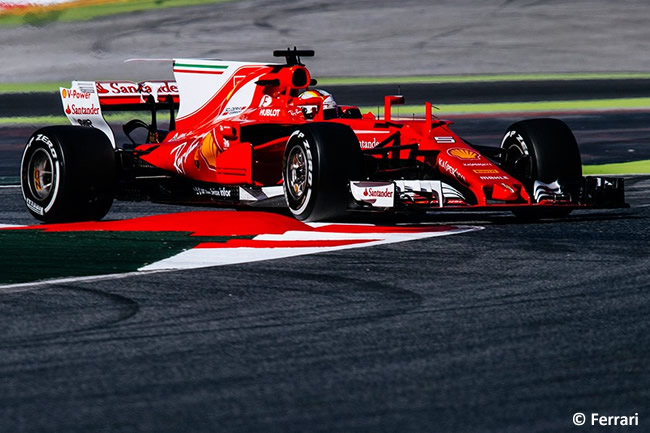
{"x": 127, "y": 95}
{"x": 85, "y": 101}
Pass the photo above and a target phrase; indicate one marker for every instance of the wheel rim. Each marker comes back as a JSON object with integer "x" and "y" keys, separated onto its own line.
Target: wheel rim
{"x": 519, "y": 162}
{"x": 297, "y": 173}
{"x": 40, "y": 174}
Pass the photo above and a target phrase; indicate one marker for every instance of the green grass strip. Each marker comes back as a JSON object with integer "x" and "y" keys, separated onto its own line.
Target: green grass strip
{"x": 62, "y": 120}
{"x": 84, "y": 13}
{"x": 634, "y": 167}
{"x": 519, "y": 107}
{"x": 32, "y": 87}
{"x": 35, "y": 120}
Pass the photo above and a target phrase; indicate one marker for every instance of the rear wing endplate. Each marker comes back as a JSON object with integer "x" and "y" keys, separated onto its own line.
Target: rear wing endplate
{"x": 85, "y": 101}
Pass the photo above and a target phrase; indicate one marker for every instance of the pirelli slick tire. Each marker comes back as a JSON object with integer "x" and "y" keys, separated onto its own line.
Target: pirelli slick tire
{"x": 319, "y": 161}
{"x": 543, "y": 150}
{"x": 68, "y": 174}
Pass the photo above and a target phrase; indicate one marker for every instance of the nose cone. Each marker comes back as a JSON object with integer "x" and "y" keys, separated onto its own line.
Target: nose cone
{"x": 505, "y": 192}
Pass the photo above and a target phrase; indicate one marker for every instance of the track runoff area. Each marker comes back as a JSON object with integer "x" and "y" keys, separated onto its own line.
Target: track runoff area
{"x": 191, "y": 239}
{"x": 16, "y": 13}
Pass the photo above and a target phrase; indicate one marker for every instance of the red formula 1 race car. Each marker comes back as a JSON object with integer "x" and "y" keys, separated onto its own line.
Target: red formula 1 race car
{"x": 252, "y": 133}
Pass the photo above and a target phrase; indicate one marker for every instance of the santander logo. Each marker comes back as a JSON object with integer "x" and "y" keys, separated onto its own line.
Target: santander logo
{"x": 369, "y": 144}
{"x": 131, "y": 88}
{"x": 101, "y": 89}
{"x": 82, "y": 111}
{"x": 374, "y": 193}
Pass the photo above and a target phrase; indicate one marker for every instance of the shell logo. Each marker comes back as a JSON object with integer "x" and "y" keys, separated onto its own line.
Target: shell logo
{"x": 463, "y": 153}
{"x": 64, "y": 93}
{"x": 209, "y": 150}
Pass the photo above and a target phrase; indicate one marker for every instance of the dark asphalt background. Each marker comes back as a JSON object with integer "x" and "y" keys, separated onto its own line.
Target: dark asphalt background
{"x": 510, "y": 329}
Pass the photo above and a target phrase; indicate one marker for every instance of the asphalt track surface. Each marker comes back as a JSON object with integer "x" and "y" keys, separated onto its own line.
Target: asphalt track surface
{"x": 513, "y": 328}
{"x": 510, "y": 329}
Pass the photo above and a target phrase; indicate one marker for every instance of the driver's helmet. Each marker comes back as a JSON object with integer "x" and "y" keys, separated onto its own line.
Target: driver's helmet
{"x": 307, "y": 101}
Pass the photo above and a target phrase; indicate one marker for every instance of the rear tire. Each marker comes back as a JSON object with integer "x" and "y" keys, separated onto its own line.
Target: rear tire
{"x": 68, "y": 174}
{"x": 543, "y": 150}
{"x": 319, "y": 161}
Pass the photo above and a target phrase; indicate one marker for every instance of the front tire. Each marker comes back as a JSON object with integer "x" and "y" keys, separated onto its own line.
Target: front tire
{"x": 68, "y": 174}
{"x": 319, "y": 161}
{"x": 543, "y": 150}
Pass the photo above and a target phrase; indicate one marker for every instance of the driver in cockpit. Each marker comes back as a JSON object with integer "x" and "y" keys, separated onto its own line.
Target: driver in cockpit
{"x": 310, "y": 101}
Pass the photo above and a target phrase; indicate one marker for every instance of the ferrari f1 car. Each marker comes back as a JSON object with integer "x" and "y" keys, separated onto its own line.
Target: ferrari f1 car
{"x": 239, "y": 134}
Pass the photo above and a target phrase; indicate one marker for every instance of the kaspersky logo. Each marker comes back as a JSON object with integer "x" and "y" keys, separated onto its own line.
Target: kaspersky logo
{"x": 188, "y": 240}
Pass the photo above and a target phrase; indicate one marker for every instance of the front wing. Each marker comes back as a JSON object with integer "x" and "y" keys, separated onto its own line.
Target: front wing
{"x": 396, "y": 195}
{"x": 593, "y": 192}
